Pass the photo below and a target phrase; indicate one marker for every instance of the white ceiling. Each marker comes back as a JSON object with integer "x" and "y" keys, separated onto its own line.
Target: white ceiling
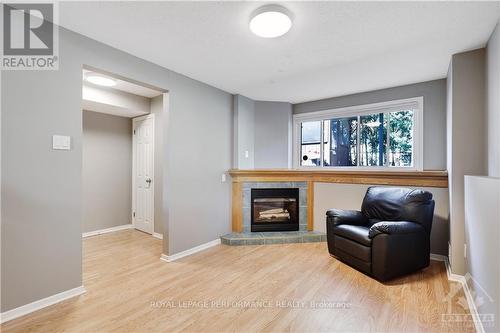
{"x": 333, "y": 48}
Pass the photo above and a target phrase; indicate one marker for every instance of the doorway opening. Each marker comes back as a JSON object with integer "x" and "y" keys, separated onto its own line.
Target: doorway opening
{"x": 122, "y": 156}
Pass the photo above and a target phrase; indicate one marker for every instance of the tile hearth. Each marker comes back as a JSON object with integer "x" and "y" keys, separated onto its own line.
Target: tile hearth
{"x": 283, "y": 237}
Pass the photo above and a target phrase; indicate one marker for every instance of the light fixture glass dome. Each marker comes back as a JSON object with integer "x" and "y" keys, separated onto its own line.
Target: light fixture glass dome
{"x": 270, "y": 21}
{"x": 100, "y": 80}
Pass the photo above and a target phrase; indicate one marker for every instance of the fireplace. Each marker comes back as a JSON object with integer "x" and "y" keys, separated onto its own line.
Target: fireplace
{"x": 275, "y": 209}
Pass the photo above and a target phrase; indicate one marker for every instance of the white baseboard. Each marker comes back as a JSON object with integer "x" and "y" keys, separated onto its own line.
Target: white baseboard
{"x": 193, "y": 250}
{"x": 108, "y": 230}
{"x": 468, "y": 296}
{"x": 157, "y": 235}
{"x": 40, "y": 304}
{"x": 438, "y": 257}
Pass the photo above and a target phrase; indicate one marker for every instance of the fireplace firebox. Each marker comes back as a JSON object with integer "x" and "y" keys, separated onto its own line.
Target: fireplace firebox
{"x": 275, "y": 209}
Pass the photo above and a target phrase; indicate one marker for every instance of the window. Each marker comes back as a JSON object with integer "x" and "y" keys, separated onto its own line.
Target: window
{"x": 311, "y": 143}
{"x": 382, "y": 135}
{"x": 340, "y": 141}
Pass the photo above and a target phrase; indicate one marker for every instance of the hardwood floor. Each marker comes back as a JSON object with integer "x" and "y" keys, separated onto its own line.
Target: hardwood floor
{"x": 270, "y": 288}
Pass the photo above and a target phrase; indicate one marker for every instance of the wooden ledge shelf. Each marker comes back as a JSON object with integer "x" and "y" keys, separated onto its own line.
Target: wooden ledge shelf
{"x": 397, "y": 178}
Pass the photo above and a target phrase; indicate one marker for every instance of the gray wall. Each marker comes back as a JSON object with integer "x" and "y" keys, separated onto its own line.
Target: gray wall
{"x": 243, "y": 132}
{"x": 350, "y": 196}
{"x": 482, "y": 195}
{"x": 434, "y": 93}
{"x": 482, "y": 232}
{"x": 273, "y": 121}
{"x": 493, "y": 102}
{"x": 42, "y": 189}
{"x": 198, "y": 152}
{"x": 466, "y": 132}
{"x": 106, "y": 171}
{"x": 263, "y": 129}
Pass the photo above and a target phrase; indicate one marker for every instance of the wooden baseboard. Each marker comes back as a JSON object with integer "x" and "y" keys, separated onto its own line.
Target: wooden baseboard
{"x": 40, "y": 304}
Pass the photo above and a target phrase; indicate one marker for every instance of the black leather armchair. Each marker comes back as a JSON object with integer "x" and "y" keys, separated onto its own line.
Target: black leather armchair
{"x": 389, "y": 237}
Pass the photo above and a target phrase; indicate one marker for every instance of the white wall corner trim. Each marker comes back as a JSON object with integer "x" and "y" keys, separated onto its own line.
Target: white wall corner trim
{"x": 191, "y": 251}
{"x": 468, "y": 295}
{"x": 157, "y": 235}
{"x": 438, "y": 257}
{"x": 40, "y": 304}
{"x": 108, "y": 230}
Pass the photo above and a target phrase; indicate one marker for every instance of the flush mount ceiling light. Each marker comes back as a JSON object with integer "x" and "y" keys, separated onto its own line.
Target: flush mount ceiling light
{"x": 270, "y": 21}
{"x": 100, "y": 80}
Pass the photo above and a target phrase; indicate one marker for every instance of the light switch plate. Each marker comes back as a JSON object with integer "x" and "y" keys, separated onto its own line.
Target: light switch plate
{"x": 61, "y": 142}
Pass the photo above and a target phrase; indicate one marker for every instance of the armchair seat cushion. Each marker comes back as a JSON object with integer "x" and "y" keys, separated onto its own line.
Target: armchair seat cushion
{"x": 354, "y": 249}
{"x": 355, "y": 233}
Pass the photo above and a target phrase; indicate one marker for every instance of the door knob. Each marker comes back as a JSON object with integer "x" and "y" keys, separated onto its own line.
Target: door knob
{"x": 149, "y": 180}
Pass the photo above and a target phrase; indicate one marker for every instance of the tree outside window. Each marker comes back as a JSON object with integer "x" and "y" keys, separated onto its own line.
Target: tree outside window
{"x": 385, "y": 140}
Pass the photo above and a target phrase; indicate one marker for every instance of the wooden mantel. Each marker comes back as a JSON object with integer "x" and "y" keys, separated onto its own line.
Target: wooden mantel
{"x": 401, "y": 178}
{"x": 395, "y": 178}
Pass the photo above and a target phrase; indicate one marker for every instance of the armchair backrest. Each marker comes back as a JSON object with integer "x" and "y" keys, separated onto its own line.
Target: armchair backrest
{"x": 399, "y": 204}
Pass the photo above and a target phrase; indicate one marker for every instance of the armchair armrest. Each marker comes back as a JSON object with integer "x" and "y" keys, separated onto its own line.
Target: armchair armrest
{"x": 395, "y": 228}
{"x": 339, "y": 216}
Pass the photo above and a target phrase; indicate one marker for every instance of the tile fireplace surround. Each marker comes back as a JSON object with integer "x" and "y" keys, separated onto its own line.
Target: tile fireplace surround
{"x": 247, "y": 201}
{"x": 246, "y": 237}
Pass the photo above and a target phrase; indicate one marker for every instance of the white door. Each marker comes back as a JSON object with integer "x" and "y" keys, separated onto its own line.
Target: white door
{"x": 143, "y": 171}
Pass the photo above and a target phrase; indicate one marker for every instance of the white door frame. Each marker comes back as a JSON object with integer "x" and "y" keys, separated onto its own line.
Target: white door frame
{"x": 134, "y": 120}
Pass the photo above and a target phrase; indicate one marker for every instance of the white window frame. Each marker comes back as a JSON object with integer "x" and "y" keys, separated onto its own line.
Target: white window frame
{"x": 416, "y": 104}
